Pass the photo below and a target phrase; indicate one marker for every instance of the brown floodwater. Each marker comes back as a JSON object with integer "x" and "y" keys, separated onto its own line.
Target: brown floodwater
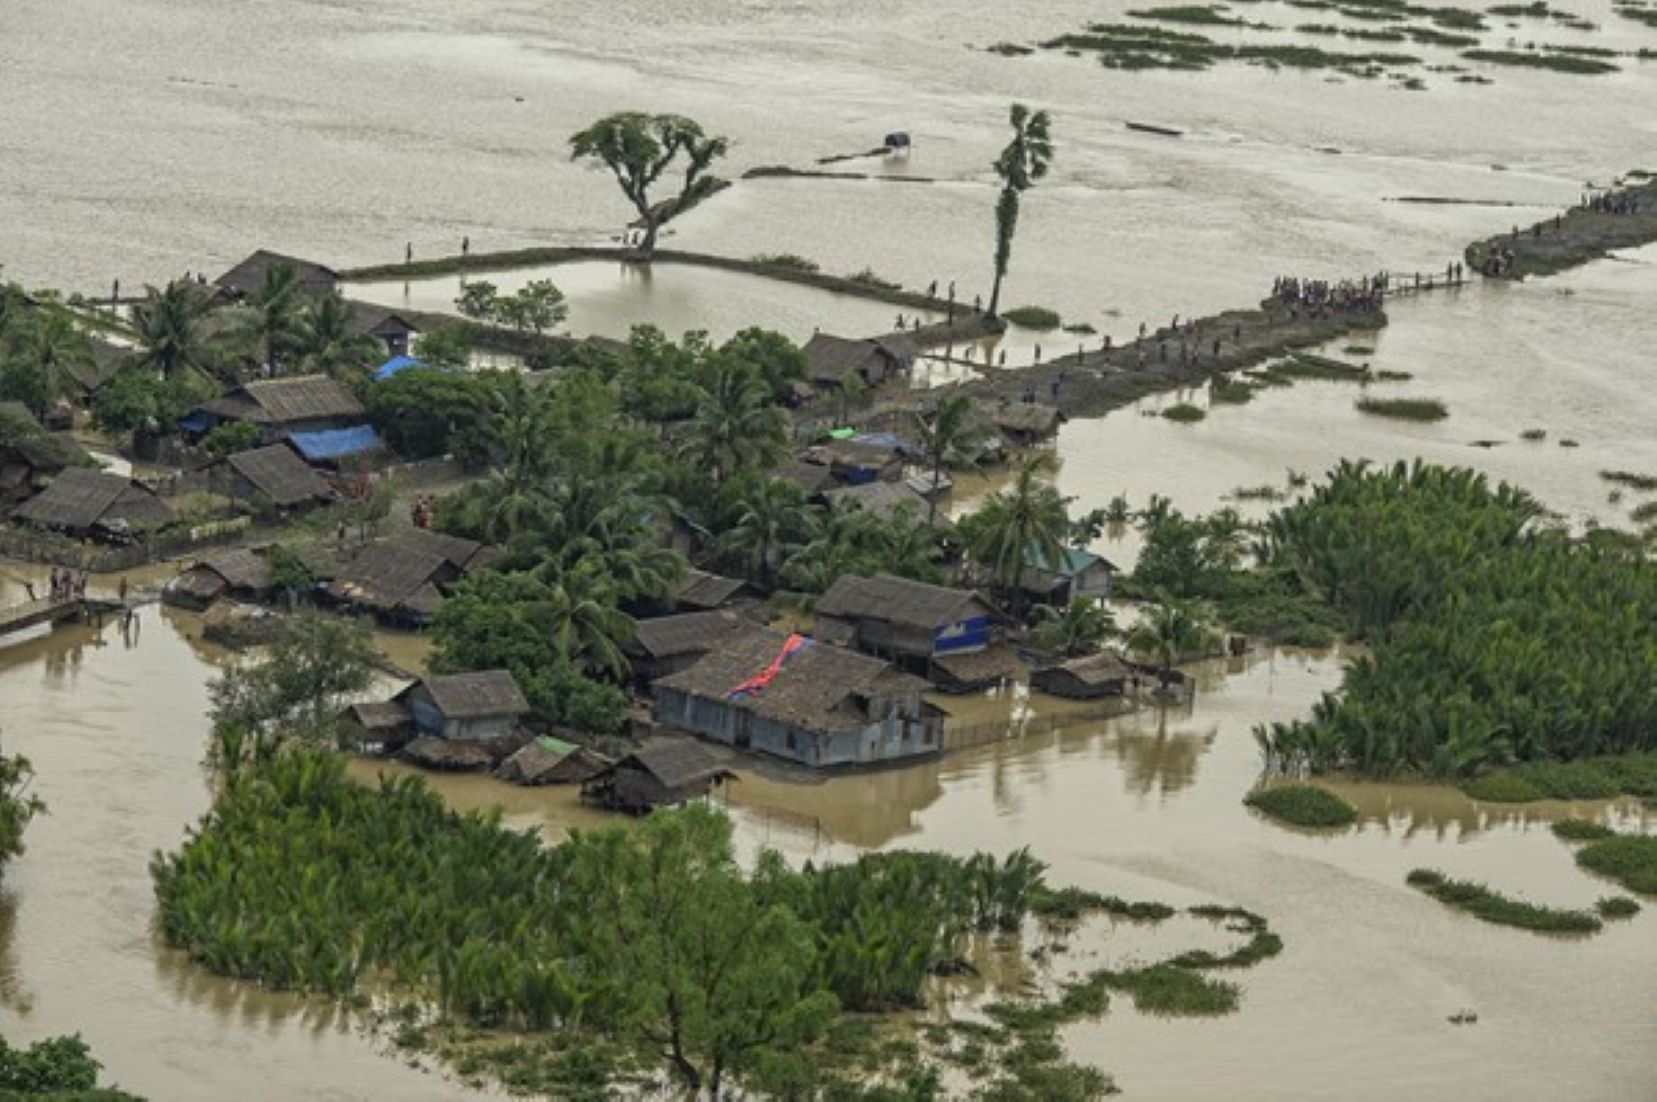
{"x": 1146, "y": 805}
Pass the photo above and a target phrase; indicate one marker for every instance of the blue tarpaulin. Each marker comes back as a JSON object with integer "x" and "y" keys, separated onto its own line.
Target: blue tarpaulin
{"x": 394, "y": 365}
{"x": 336, "y": 443}
{"x": 199, "y": 421}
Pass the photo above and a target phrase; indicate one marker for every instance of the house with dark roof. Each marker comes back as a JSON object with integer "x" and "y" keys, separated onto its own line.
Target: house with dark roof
{"x": 482, "y": 706}
{"x": 1022, "y": 423}
{"x": 853, "y": 462}
{"x": 274, "y": 478}
{"x": 248, "y": 276}
{"x": 385, "y": 325}
{"x": 400, "y": 580}
{"x": 83, "y": 379}
{"x": 668, "y": 644}
{"x": 239, "y": 572}
{"x": 834, "y": 361}
{"x": 29, "y": 455}
{"x": 1079, "y": 573}
{"x": 280, "y": 407}
{"x": 702, "y": 592}
{"x": 82, "y": 502}
{"x": 819, "y": 705}
{"x": 907, "y": 621}
{"x": 550, "y": 760}
{"x": 1086, "y": 678}
{"x": 661, "y": 773}
{"x": 885, "y": 500}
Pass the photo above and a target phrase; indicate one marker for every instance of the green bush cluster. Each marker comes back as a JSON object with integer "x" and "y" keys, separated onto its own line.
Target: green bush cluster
{"x": 1594, "y": 778}
{"x": 1303, "y": 805}
{"x": 1488, "y": 906}
{"x": 1630, "y": 860}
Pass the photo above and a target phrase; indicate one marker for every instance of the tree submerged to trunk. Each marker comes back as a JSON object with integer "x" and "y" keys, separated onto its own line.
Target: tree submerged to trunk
{"x": 637, "y": 148}
{"x": 1024, "y": 161}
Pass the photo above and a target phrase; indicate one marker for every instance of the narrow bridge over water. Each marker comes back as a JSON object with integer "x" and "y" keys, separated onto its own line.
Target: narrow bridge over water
{"x": 47, "y": 611}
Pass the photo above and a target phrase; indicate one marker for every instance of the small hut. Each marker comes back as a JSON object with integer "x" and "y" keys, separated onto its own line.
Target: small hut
{"x": 482, "y": 706}
{"x": 704, "y": 592}
{"x": 1024, "y": 423}
{"x": 1079, "y": 573}
{"x": 400, "y": 579}
{"x": 280, "y": 407}
{"x": 854, "y": 462}
{"x": 276, "y": 477}
{"x": 661, "y": 773}
{"x": 384, "y": 724}
{"x": 668, "y": 644}
{"x": 976, "y": 670}
{"x": 548, "y": 760}
{"x": 1087, "y": 678}
{"x": 239, "y": 572}
{"x": 446, "y": 756}
{"x": 834, "y": 361}
{"x": 248, "y": 276}
{"x": 885, "y": 500}
{"x": 82, "y": 502}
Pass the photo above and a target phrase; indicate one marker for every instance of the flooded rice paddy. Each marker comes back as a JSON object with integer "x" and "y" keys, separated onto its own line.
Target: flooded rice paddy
{"x": 146, "y": 138}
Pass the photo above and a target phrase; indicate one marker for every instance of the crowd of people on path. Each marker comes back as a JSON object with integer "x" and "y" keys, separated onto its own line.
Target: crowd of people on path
{"x": 1320, "y": 298}
{"x": 69, "y": 585}
{"x": 1610, "y": 202}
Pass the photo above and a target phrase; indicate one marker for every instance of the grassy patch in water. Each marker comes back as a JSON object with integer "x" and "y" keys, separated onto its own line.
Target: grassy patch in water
{"x": 1581, "y": 830}
{"x": 1385, "y": 376}
{"x": 791, "y": 261}
{"x": 1303, "y": 805}
{"x": 1073, "y": 904}
{"x": 1080, "y": 328}
{"x": 1642, "y": 482}
{"x": 868, "y": 278}
{"x": 1231, "y": 391}
{"x": 1534, "y": 434}
{"x": 1488, "y": 906}
{"x": 1617, "y": 906}
{"x": 1033, "y": 317}
{"x": 1429, "y": 36}
{"x": 1630, "y": 860}
{"x": 1597, "y": 778}
{"x": 1257, "y": 493}
{"x": 1171, "y": 991}
{"x": 1213, "y": 15}
{"x": 1010, "y": 49}
{"x": 1185, "y": 413}
{"x": 1404, "y": 409}
{"x": 1558, "y": 63}
{"x": 1643, "y": 514}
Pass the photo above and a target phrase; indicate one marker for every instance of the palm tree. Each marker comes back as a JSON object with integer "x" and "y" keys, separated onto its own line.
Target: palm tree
{"x": 587, "y": 627}
{"x": 1171, "y": 629}
{"x": 269, "y": 319}
{"x": 1081, "y": 628}
{"x": 1028, "y": 520}
{"x": 1157, "y": 509}
{"x": 46, "y": 347}
{"x": 736, "y": 426}
{"x": 168, "y": 324}
{"x": 772, "y": 518}
{"x": 950, "y": 437}
{"x": 326, "y": 340}
{"x": 1021, "y": 164}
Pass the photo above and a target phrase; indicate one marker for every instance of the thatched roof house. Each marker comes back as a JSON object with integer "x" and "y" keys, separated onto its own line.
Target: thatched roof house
{"x": 548, "y": 760}
{"x": 29, "y": 455}
{"x": 400, "y": 579}
{"x": 701, "y": 591}
{"x": 481, "y": 706}
{"x": 448, "y": 757}
{"x": 387, "y": 326}
{"x": 281, "y": 406}
{"x": 235, "y": 572}
{"x": 660, "y": 773}
{"x": 1023, "y": 423}
{"x": 885, "y": 500}
{"x": 1088, "y": 678}
{"x": 831, "y": 361}
{"x": 276, "y": 475}
{"x": 83, "y": 502}
{"x": 903, "y": 619}
{"x": 795, "y": 698}
{"x": 84, "y": 378}
{"x": 248, "y": 276}
{"x": 976, "y": 670}
{"x": 857, "y": 461}
{"x": 813, "y": 478}
{"x": 668, "y": 644}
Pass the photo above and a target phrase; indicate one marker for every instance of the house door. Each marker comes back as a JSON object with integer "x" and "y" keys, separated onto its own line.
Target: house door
{"x": 744, "y": 734}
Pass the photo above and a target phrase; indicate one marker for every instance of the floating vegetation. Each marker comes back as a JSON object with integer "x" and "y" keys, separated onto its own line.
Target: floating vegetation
{"x": 1644, "y": 513}
{"x": 1630, "y": 860}
{"x": 1581, "y": 830}
{"x": 1185, "y": 413}
{"x": 1534, "y": 434}
{"x": 1559, "y": 63}
{"x": 1596, "y": 778}
{"x": 1010, "y": 49}
{"x": 1080, "y": 328}
{"x": 1351, "y": 32}
{"x": 1488, "y": 906}
{"x": 1385, "y": 376}
{"x": 1427, "y": 36}
{"x": 1231, "y": 391}
{"x": 1033, "y": 317}
{"x": 1209, "y": 14}
{"x": 1404, "y": 409}
{"x": 1303, "y": 805}
{"x": 1166, "y": 990}
{"x": 1648, "y": 16}
{"x": 1642, "y": 482}
{"x": 1568, "y": 443}
{"x": 1257, "y": 493}
{"x": 1617, "y": 906}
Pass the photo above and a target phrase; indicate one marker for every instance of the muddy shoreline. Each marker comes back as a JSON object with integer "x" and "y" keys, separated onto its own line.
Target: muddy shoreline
{"x": 1571, "y": 238}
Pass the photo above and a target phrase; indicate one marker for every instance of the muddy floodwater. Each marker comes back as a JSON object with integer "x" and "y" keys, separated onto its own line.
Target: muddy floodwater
{"x": 143, "y": 139}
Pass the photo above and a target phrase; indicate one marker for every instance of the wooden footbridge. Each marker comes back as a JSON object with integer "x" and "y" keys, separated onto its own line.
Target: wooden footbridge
{"x": 47, "y": 611}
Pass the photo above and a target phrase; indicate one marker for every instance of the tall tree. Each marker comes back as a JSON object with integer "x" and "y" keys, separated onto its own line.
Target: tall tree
{"x": 17, "y": 805}
{"x": 296, "y": 691}
{"x": 736, "y": 427}
{"x": 1028, "y": 520}
{"x": 1171, "y": 629}
{"x": 1024, "y": 161}
{"x": 170, "y": 336}
{"x": 269, "y": 320}
{"x": 638, "y": 148}
{"x": 949, "y": 437}
{"x": 326, "y": 340}
{"x": 771, "y": 518}
{"x": 40, "y": 350}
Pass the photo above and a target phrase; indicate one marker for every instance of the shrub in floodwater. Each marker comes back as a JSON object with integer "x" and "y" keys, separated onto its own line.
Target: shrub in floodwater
{"x": 1257, "y": 493}
{"x": 790, "y": 261}
{"x": 1080, "y": 328}
{"x": 1596, "y": 778}
{"x": 1630, "y": 860}
{"x": 1617, "y": 906}
{"x": 868, "y": 278}
{"x": 1642, "y": 482}
{"x": 1392, "y": 376}
{"x": 1644, "y": 513}
{"x": 1559, "y": 63}
{"x": 1534, "y": 434}
{"x": 1185, "y": 413}
{"x": 1167, "y": 989}
{"x": 1201, "y": 14}
{"x": 1581, "y": 830}
{"x": 1232, "y": 391}
{"x": 1488, "y": 906}
{"x": 1404, "y": 409}
{"x": 1033, "y": 317}
{"x": 1303, "y": 805}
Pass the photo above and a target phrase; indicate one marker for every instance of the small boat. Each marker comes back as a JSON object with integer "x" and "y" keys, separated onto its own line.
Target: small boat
{"x": 1147, "y": 128}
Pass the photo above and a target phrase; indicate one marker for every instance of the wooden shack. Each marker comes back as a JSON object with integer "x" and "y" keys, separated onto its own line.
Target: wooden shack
{"x": 547, "y": 760}
{"x": 275, "y": 479}
{"x": 703, "y": 592}
{"x": 400, "y": 580}
{"x": 238, "y": 572}
{"x": 661, "y": 773}
{"x": 904, "y": 620}
{"x": 248, "y": 276}
{"x": 1079, "y": 573}
{"x": 87, "y": 503}
{"x": 885, "y": 500}
{"x": 835, "y": 361}
{"x": 482, "y": 706}
{"x": 819, "y": 705}
{"x": 280, "y": 407}
{"x": 1086, "y": 678}
{"x": 668, "y": 644}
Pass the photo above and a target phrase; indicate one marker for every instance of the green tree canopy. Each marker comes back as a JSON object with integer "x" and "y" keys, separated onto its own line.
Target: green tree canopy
{"x": 638, "y": 148}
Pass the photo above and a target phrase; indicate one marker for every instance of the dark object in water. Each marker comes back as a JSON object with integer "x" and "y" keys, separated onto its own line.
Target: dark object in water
{"x": 897, "y": 139}
{"x": 1147, "y": 128}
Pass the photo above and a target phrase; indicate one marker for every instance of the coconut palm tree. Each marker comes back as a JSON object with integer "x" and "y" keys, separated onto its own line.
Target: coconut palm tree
{"x": 1172, "y": 628}
{"x": 1028, "y": 520}
{"x": 1081, "y": 628}
{"x": 949, "y": 437}
{"x": 772, "y": 518}
{"x": 42, "y": 349}
{"x": 736, "y": 426}
{"x": 589, "y": 630}
{"x": 325, "y": 339}
{"x": 269, "y": 319}
{"x": 1024, "y": 161}
{"x": 170, "y": 336}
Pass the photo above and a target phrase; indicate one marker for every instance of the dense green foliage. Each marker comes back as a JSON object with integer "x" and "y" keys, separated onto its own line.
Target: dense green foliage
{"x": 295, "y": 690}
{"x": 1404, "y": 409}
{"x": 1617, "y": 906}
{"x": 17, "y": 805}
{"x": 1488, "y": 906}
{"x": 1630, "y": 860}
{"x": 1303, "y": 805}
{"x": 1024, "y": 161}
{"x": 424, "y": 412}
{"x": 1581, "y": 830}
{"x": 57, "y": 1068}
{"x": 1184, "y": 413}
{"x": 1033, "y": 317}
{"x": 638, "y": 148}
{"x": 1594, "y": 778}
{"x": 1493, "y": 641}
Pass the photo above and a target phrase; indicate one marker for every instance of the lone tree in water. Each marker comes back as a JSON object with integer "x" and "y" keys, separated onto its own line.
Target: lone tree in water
{"x": 1021, "y": 164}
{"x": 638, "y": 148}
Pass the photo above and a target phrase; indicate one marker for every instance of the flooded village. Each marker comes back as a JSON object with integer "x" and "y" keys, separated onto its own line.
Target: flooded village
{"x": 993, "y": 600}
